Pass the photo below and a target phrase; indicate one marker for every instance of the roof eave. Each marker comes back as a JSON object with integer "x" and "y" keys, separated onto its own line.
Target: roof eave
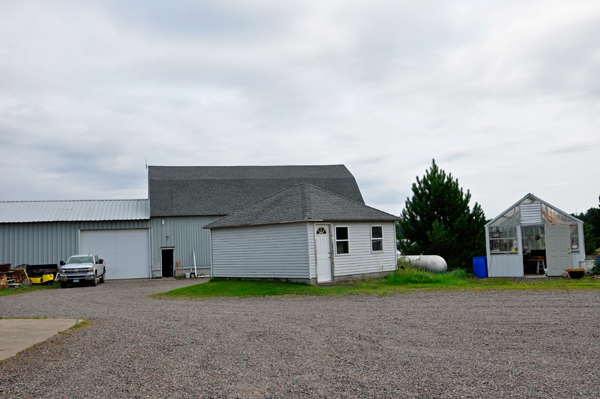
{"x": 362, "y": 220}
{"x": 260, "y": 224}
{"x": 73, "y": 220}
{"x": 302, "y": 220}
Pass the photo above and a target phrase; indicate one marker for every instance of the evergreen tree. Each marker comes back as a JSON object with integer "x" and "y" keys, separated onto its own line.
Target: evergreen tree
{"x": 437, "y": 220}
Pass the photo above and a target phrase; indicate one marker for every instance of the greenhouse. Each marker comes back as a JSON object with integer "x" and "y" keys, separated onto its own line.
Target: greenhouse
{"x": 533, "y": 238}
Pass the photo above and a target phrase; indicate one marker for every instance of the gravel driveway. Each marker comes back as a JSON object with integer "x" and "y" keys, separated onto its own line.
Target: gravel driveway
{"x": 439, "y": 345}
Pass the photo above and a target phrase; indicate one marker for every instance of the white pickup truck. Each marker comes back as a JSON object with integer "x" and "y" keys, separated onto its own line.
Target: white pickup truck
{"x": 82, "y": 269}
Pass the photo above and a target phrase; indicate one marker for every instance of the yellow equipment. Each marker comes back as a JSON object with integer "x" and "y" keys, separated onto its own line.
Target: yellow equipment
{"x": 42, "y": 280}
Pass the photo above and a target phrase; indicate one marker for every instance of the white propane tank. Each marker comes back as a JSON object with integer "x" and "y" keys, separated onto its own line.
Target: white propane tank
{"x": 431, "y": 263}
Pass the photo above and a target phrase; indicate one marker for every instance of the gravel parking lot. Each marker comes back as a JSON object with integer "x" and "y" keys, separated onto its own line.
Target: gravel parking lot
{"x": 439, "y": 345}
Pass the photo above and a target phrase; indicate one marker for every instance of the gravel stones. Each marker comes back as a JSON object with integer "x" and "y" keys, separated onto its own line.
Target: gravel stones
{"x": 439, "y": 344}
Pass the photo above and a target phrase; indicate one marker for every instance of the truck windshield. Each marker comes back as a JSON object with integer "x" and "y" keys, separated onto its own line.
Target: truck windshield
{"x": 79, "y": 259}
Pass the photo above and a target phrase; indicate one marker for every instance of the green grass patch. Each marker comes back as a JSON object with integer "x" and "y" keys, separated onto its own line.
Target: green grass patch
{"x": 245, "y": 289}
{"x": 79, "y": 324}
{"x": 415, "y": 276}
{"x": 402, "y": 281}
{"x": 30, "y": 288}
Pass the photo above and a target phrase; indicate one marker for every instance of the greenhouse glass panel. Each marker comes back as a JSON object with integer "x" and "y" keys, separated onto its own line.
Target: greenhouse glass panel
{"x": 552, "y": 215}
{"x": 503, "y": 239}
{"x": 574, "y": 238}
{"x": 529, "y": 201}
{"x": 533, "y": 238}
{"x": 510, "y": 218}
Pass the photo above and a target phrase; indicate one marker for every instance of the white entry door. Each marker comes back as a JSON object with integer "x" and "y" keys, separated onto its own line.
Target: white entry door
{"x": 126, "y": 252}
{"x": 558, "y": 249}
{"x": 323, "y": 253}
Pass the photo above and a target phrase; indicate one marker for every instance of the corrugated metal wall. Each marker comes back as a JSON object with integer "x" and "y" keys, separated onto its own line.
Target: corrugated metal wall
{"x": 184, "y": 234}
{"x": 50, "y": 242}
{"x": 505, "y": 265}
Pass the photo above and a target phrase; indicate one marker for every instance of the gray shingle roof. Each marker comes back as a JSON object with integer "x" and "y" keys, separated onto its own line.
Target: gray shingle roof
{"x": 222, "y": 190}
{"x": 302, "y": 202}
{"x": 71, "y": 211}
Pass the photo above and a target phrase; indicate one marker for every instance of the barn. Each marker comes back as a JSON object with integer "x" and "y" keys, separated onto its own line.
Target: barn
{"x": 304, "y": 233}
{"x": 533, "y": 238}
{"x": 185, "y": 199}
{"x": 163, "y": 235}
{"x": 44, "y": 232}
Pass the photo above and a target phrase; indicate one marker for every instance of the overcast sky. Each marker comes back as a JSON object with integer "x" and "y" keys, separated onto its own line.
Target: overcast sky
{"x": 505, "y": 95}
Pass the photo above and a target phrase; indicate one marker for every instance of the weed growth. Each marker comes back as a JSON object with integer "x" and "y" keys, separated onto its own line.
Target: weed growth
{"x": 26, "y": 289}
{"x": 80, "y": 323}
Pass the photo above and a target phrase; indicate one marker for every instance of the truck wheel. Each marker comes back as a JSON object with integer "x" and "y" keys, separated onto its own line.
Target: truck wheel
{"x": 63, "y": 284}
{"x": 102, "y": 278}
{"x": 95, "y": 281}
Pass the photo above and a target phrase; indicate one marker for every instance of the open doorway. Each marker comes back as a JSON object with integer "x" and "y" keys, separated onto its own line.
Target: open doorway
{"x": 534, "y": 250}
{"x": 167, "y": 262}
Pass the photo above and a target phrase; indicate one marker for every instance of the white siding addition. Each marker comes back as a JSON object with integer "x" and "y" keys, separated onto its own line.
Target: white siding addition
{"x": 362, "y": 259}
{"x": 270, "y": 251}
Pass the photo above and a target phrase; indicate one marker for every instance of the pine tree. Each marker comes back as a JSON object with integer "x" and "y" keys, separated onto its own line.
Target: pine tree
{"x": 437, "y": 220}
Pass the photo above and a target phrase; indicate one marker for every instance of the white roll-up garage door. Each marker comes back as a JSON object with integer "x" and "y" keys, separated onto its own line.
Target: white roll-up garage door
{"x": 126, "y": 252}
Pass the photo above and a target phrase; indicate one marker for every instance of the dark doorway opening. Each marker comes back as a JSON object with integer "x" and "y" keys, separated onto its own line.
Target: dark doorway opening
{"x": 167, "y": 263}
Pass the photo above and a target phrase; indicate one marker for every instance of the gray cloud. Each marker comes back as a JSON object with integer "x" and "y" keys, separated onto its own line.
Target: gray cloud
{"x": 503, "y": 94}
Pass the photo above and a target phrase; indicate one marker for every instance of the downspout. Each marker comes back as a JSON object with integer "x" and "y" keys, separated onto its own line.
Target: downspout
{"x": 195, "y": 271}
{"x": 211, "y": 253}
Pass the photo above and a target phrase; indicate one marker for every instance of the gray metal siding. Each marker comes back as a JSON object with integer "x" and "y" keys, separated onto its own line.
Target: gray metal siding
{"x": 186, "y": 234}
{"x": 361, "y": 259}
{"x": 505, "y": 265}
{"x": 272, "y": 251}
{"x": 40, "y": 243}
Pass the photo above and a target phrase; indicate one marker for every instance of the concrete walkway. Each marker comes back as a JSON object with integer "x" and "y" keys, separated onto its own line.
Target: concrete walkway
{"x": 19, "y": 334}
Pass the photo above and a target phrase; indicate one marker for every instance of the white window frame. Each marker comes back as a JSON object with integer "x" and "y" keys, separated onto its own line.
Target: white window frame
{"x": 342, "y": 240}
{"x": 574, "y": 251}
{"x": 510, "y": 240}
{"x": 376, "y": 239}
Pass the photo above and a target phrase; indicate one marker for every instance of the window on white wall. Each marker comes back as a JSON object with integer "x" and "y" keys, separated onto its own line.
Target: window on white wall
{"x": 377, "y": 238}
{"x": 342, "y": 244}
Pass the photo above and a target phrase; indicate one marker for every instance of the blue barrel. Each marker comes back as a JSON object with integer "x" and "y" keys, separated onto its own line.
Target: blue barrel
{"x": 480, "y": 266}
{"x": 598, "y": 260}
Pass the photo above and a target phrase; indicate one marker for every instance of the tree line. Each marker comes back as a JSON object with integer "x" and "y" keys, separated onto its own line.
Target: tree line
{"x": 591, "y": 228}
